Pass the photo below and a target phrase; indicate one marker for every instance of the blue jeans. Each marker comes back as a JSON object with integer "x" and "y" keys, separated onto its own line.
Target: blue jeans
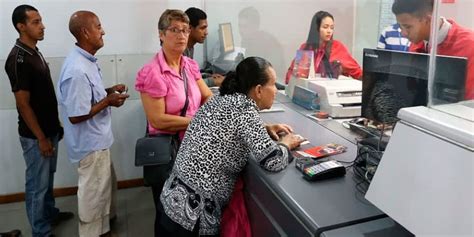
{"x": 39, "y": 176}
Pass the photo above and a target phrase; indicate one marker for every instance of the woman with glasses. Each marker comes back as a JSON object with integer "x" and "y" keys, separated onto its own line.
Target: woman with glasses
{"x": 161, "y": 83}
{"x": 331, "y": 57}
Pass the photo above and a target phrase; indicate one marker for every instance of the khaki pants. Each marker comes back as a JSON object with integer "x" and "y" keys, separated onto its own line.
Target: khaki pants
{"x": 96, "y": 193}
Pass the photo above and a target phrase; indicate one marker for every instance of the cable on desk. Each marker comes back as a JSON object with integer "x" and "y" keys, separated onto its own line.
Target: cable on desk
{"x": 365, "y": 164}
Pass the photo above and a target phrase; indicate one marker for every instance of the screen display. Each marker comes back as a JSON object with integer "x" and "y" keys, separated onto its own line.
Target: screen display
{"x": 226, "y": 37}
{"x": 393, "y": 80}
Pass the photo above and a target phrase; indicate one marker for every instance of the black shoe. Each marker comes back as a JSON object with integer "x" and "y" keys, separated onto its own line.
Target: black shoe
{"x": 62, "y": 216}
{"x": 13, "y": 233}
{"x": 113, "y": 220}
{"x": 108, "y": 234}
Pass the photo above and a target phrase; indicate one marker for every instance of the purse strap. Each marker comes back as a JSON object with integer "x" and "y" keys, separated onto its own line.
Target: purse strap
{"x": 186, "y": 102}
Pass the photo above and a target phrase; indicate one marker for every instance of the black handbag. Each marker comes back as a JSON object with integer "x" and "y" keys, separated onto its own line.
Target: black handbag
{"x": 159, "y": 149}
{"x": 154, "y": 150}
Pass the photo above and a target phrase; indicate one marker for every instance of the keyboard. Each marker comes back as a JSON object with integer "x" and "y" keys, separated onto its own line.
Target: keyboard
{"x": 365, "y": 131}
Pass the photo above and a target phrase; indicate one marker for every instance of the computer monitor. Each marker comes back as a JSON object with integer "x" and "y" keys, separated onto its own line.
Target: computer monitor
{"x": 229, "y": 55}
{"x": 393, "y": 80}
{"x": 226, "y": 38}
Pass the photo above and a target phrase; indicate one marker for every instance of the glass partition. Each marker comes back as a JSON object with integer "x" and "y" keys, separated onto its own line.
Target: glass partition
{"x": 452, "y": 27}
{"x": 276, "y": 30}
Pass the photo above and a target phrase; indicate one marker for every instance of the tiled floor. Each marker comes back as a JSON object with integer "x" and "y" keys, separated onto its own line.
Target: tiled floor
{"x": 135, "y": 215}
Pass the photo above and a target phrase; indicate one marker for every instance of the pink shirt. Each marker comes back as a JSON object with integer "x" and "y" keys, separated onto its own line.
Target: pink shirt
{"x": 158, "y": 80}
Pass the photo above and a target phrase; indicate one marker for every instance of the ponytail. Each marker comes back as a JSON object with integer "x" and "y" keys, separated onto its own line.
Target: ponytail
{"x": 251, "y": 72}
{"x": 229, "y": 85}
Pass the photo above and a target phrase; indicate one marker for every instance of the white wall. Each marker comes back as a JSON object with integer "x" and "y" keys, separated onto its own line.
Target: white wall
{"x": 460, "y": 11}
{"x": 130, "y": 40}
{"x": 130, "y": 25}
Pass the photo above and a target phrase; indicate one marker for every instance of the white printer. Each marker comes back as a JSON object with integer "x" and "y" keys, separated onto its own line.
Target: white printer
{"x": 339, "y": 98}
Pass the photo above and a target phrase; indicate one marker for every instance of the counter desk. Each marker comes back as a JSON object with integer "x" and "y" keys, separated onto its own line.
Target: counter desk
{"x": 385, "y": 227}
{"x": 333, "y": 125}
{"x": 284, "y": 204}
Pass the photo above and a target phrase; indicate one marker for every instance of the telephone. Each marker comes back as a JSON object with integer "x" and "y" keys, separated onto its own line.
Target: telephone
{"x": 324, "y": 170}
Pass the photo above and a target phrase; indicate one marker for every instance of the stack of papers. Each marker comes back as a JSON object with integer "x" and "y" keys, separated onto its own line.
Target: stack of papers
{"x": 272, "y": 109}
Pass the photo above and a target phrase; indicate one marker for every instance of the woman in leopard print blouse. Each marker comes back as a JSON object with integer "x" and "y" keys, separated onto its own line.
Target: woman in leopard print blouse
{"x": 223, "y": 134}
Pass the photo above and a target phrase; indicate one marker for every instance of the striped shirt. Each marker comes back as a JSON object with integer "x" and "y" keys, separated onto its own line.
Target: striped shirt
{"x": 391, "y": 38}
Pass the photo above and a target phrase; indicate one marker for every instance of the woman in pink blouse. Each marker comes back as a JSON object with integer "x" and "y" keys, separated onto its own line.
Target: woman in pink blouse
{"x": 162, "y": 90}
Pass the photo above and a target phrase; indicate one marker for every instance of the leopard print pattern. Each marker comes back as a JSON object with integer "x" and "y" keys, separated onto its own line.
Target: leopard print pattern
{"x": 224, "y": 133}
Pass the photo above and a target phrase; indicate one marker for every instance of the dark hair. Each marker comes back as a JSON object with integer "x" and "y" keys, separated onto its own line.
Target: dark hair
{"x": 251, "y": 72}
{"x": 195, "y": 15}
{"x": 19, "y": 15}
{"x": 313, "y": 36}
{"x": 413, "y": 7}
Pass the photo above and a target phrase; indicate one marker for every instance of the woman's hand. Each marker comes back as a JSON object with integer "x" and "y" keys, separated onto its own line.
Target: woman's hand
{"x": 274, "y": 129}
{"x": 291, "y": 140}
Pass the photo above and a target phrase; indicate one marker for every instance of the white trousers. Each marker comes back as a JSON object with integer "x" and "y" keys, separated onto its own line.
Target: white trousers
{"x": 96, "y": 193}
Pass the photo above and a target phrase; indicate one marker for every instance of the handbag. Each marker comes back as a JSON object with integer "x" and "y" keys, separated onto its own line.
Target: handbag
{"x": 159, "y": 149}
{"x": 154, "y": 150}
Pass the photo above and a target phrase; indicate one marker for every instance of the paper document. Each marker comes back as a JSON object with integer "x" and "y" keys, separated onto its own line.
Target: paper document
{"x": 272, "y": 109}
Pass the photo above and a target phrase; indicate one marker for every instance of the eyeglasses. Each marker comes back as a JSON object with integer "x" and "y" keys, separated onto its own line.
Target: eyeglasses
{"x": 174, "y": 30}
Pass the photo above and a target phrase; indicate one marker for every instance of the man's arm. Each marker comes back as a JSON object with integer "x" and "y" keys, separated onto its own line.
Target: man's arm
{"x": 112, "y": 99}
{"x": 22, "y": 98}
{"x": 209, "y": 81}
{"x": 213, "y": 80}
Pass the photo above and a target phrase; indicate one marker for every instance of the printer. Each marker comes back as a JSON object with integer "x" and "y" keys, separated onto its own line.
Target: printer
{"x": 339, "y": 98}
